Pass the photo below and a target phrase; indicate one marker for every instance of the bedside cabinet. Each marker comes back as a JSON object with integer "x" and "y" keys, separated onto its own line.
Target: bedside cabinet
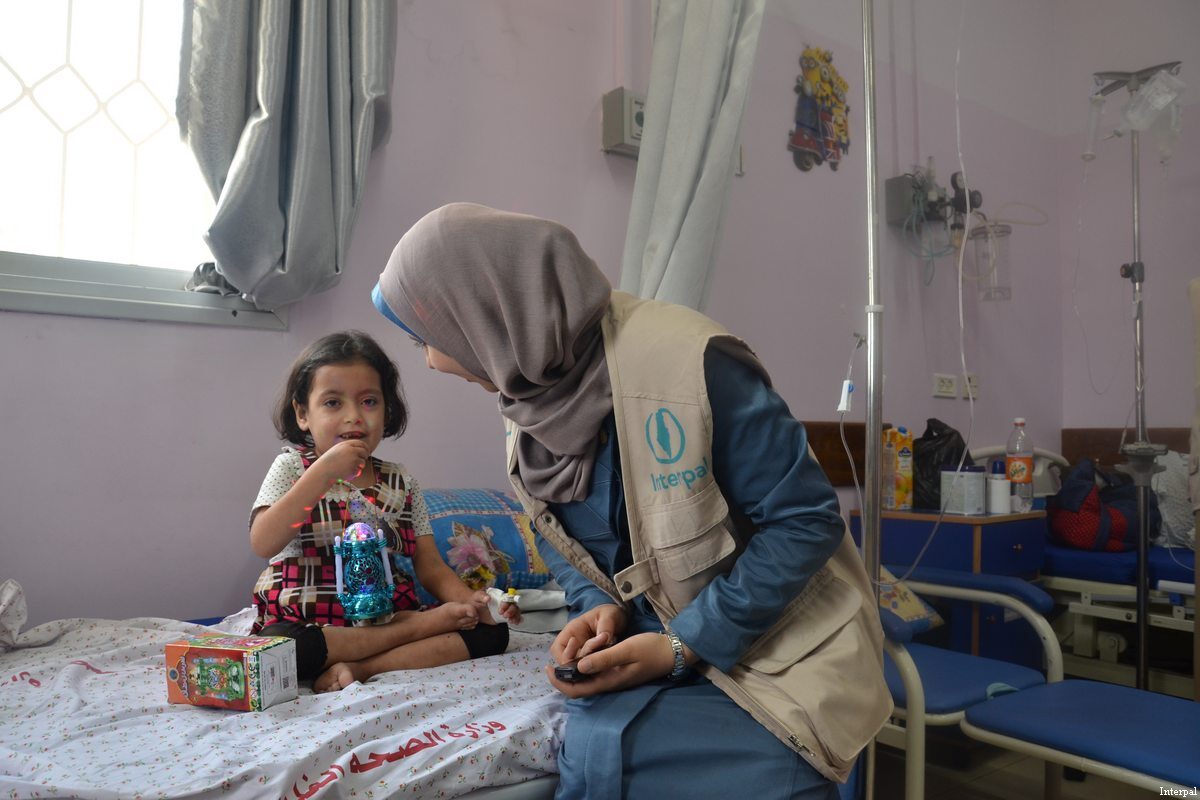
{"x": 998, "y": 544}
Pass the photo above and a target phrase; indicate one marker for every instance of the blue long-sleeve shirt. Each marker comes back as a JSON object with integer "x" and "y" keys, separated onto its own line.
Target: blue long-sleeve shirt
{"x": 762, "y": 465}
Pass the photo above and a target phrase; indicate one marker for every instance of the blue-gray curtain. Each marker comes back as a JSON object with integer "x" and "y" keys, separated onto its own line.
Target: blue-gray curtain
{"x": 282, "y": 101}
{"x": 700, "y": 71}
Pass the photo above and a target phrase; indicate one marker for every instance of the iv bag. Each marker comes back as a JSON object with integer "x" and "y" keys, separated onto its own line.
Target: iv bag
{"x": 1166, "y": 129}
{"x": 1150, "y": 100}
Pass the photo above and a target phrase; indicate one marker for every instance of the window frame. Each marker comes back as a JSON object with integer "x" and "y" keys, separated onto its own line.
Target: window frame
{"x": 71, "y": 286}
{"x": 75, "y": 287}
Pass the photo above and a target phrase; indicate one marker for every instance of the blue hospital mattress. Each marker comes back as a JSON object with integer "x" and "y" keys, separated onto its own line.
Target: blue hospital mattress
{"x": 1166, "y": 563}
{"x": 1154, "y": 734}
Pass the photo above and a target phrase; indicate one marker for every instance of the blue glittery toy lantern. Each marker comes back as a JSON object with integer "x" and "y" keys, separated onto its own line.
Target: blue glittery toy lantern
{"x": 364, "y": 576}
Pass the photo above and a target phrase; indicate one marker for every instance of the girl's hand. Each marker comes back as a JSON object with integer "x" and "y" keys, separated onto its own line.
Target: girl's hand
{"x": 483, "y": 605}
{"x": 345, "y": 461}
{"x": 480, "y": 600}
{"x": 632, "y": 662}
{"x": 589, "y": 632}
{"x": 511, "y": 613}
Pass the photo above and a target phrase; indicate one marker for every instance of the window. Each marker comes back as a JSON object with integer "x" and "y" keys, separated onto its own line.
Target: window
{"x": 103, "y": 205}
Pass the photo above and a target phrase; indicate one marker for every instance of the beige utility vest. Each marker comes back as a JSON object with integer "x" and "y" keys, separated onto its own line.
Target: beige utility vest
{"x": 815, "y": 679}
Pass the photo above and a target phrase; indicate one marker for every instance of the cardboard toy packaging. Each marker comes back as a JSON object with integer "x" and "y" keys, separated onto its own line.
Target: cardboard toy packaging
{"x": 246, "y": 673}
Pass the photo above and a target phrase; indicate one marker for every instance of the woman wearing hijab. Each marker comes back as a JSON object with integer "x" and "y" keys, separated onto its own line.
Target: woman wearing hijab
{"x": 723, "y": 632}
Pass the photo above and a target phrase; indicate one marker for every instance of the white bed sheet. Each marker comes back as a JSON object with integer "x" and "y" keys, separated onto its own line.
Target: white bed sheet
{"x": 83, "y": 713}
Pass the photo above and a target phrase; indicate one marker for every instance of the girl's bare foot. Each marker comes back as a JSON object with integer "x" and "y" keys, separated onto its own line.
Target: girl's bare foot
{"x": 336, "y": 678}
{"x": 456, "y": 616}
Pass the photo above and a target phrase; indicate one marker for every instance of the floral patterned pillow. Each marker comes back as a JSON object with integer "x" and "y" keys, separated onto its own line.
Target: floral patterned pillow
{"x": 897, "y": 599}
{"x": 486, "y": 538}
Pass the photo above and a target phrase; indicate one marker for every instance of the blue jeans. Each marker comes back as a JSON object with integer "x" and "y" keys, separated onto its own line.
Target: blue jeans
{"x": 666, "y": 740}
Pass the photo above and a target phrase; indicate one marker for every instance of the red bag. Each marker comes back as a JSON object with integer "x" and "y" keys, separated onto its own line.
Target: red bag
{"x": 1096, "y": 511}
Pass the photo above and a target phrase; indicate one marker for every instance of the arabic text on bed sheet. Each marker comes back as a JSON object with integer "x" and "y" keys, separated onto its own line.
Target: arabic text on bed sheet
{"x": 23, "y": 677}
{"x": 413, "y": 746}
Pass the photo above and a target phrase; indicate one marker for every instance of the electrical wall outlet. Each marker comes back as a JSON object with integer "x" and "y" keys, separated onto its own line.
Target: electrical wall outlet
{"x": 970, "y": 386}
{"x": 944, "y": 385}
{"x": 622, "y": 116}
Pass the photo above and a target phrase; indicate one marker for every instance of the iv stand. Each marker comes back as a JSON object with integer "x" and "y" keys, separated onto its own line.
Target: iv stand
{"x": 873, "y": 457}
{"x": 1139, "y": 454}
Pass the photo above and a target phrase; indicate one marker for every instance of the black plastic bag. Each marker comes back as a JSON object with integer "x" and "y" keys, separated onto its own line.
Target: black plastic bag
{"x": 940, "y": 446}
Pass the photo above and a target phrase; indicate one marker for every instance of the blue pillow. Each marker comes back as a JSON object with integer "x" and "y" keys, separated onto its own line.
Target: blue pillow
{"x": 485, "y": 537}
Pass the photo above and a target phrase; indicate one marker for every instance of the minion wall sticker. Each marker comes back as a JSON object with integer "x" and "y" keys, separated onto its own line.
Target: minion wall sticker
{"x": 822, "y": 131}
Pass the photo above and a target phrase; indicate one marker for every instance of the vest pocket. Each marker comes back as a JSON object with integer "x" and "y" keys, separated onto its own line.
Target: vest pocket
{"x": 820, "y": 668}
{"x": 825, "y": 606}
{"x": 690, "y": 537}
{"x": 682, "y": 561}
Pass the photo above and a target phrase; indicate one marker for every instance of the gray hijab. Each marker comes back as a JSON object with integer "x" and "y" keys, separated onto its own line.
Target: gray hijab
{"x": 515, "y": 301}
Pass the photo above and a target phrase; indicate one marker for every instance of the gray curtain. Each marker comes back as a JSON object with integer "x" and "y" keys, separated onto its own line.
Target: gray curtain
{"x": 700, "y": 71}
{"x": 282, "y": 102}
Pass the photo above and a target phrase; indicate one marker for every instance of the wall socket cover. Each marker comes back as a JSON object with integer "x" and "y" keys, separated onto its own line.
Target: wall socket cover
{"x": 970, "y": 386}
{"x": 944, "y": 385}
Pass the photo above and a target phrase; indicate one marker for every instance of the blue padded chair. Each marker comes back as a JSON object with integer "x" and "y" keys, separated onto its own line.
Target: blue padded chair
{"x": 1137, "y": 737}
{"x": 935, "y": 686}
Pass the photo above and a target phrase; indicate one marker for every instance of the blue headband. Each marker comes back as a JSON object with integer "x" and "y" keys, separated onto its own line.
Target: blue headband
{"x": 386, "y": 310}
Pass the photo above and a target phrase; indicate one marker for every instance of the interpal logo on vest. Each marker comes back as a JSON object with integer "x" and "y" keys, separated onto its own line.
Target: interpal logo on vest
{"x": 665, "y": 436}
{"x": 667, "y": 441}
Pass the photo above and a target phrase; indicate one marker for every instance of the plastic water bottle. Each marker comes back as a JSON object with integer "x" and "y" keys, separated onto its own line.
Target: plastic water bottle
{"x": 1018, "y": 462}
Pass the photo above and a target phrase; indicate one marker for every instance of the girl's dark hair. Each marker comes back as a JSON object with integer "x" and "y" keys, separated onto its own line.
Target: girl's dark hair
{"x": 345, "y": 347}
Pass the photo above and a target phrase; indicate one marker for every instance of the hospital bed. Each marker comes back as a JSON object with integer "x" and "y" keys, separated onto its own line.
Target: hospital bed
{"x": 1147, "y": 739}
{"x": 84, "y": 712}
{"x": 1097, "y": 590}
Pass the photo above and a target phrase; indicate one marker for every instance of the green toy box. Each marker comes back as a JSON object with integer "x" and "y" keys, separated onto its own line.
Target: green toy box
{"x": 246, "y": 673}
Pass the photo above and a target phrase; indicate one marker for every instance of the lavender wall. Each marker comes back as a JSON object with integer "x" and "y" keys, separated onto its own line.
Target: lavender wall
{"x": 1096, "y": 220}
{"x": 140, "y": 446}
{"x": 807, "y": 231}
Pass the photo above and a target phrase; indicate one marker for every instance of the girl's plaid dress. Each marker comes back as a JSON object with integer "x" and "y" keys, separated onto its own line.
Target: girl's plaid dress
{"x": 300, "y": 584}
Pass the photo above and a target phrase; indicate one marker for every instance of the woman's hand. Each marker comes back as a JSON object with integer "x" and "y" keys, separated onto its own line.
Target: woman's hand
{"x": 589, "y": 632}
{"x": 632, "y": 662}
{"x": 591, "y": 640}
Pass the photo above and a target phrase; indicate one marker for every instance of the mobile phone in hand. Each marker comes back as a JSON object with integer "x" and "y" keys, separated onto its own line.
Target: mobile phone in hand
{"x": 569, "y": 673}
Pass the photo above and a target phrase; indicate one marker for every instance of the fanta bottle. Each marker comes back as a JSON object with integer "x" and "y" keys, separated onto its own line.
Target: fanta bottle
{"x": 1018, "y": 462}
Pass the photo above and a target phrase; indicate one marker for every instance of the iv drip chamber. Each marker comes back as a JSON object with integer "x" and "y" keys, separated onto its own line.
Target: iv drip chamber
{"x": 1095, "y": 107}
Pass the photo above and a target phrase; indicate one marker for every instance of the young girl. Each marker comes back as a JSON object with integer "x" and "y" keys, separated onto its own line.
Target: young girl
{"x": 341, "y": 399}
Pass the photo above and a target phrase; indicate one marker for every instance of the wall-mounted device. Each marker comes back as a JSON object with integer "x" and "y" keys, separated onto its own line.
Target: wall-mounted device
{"x": 963, "y": 202}
{"x": 916, "y": 198}
{"x": 920, "y": 206}
{"x": 622, "y": 114}
{"x": 959, "y": 201}
{"x": 934, "y": 221}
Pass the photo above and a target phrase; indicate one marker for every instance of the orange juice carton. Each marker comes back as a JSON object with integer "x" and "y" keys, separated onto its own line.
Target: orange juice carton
{"x": 897, "y": 469}
{"x": 246, "y": 673}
